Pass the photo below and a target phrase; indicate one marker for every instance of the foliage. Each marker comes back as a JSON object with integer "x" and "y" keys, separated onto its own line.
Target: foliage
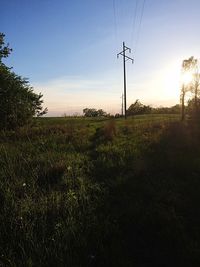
{"x": 191, "y": 66}
{"x": 4, "y": 49}
{"x": 117, "y": 115}
{"x": 167, "y": 110}
{"x": 18, "y": 102}
{"x": 193, "y": 108}
{"x": 138, "y": 108}
{"x": 92, "y": 112}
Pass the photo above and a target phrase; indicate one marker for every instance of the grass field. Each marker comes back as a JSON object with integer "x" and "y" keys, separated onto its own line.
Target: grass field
{"x": 99, "y": 192}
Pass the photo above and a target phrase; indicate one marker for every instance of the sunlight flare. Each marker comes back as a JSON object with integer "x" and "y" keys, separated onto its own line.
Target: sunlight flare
{"x": 187, "y": 77}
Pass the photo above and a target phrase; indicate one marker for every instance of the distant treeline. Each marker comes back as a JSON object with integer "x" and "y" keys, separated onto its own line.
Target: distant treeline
{"x": 136, "y": 108}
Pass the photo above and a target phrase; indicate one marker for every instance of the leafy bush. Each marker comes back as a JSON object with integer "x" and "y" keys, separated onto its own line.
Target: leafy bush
{"x": 18, "y": 102}
{"x": 92, "y": 112}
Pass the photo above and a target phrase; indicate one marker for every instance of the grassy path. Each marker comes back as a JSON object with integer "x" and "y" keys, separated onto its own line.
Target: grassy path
{"x": 85, "y": 192}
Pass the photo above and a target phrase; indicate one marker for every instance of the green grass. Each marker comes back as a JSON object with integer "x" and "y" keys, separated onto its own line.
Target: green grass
{"x": 87, "y": 192}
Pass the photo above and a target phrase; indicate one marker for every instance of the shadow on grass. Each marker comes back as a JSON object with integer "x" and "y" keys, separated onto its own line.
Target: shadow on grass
{"x": 155, "y": 211}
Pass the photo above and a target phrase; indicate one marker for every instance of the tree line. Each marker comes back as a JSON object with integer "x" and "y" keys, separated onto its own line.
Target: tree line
{"x": 137, "y": 108}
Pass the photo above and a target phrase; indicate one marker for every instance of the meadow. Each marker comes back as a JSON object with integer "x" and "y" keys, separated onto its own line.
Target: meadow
{"x": 101, "y": 192}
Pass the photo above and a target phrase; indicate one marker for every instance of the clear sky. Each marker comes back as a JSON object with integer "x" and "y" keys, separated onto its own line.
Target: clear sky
{"x": 68, "y": 49}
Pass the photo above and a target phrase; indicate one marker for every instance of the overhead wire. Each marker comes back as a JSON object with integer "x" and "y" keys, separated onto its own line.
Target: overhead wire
{"x": 139, "y": 26}
{"x": 134, "y": 22}
{"x": 115, "y": 24}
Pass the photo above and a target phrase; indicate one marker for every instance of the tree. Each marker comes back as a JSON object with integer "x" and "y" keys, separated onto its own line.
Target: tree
{"x": 138, "y": 108}
{"x": 18, "y": 102}
{"x": 190, "y": 68}
{"x": 92, "y": 112}
{"x": 194, "y": 87}
{"x": 4, "y": 49}
{"x": 117, "y": 115}
{"x": 101, "y": 113}
{"x": 191, "y": 111}
{"x": 167, "y": 110}
{"x": 186, "y": 66}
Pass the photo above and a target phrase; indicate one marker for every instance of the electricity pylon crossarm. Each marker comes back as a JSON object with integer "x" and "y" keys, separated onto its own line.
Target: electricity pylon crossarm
{"x": 125, "y": 58}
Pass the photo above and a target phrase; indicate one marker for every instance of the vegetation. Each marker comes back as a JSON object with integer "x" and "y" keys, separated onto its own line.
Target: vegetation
{"x": 190, "y": 83}
{"x": 18, "y": 102}
{"x": 193, "y": 108}
{"x": 4, "y": 49}
{"x": 92, "y": 112}
{"x": 87, "y": 192}
{"x": 167, "y": 110}
{"x": 97, "y": 192}
{"x": 138, "y": 108}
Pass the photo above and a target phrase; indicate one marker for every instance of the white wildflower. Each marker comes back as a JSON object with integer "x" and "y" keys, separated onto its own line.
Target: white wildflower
{"x": 69, "y": 168}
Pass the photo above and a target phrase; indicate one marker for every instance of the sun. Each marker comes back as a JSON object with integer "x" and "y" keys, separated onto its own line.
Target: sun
{"x": 174, "y": 79}
{"x": 168, "y": 81}
{"x": 186, "y": 77}
{"x": 171, "y": 81}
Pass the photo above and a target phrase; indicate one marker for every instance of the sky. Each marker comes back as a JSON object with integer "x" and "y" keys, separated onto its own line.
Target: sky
{"x": 67, "y": 49}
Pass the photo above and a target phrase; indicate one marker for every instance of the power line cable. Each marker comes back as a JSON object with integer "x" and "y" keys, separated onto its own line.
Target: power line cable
{"x": 139, "y": 27}
{"x": 115, "y": 23}
{"x": 134, "y": 22}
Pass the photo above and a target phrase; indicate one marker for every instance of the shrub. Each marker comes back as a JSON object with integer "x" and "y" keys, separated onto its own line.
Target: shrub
{"x": 18, "y": 102}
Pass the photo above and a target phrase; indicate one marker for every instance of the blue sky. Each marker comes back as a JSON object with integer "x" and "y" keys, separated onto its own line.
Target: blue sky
{"x": 68, "y": 49}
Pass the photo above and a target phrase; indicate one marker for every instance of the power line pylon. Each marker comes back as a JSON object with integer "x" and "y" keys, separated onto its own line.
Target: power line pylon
{"x": 122, "y": 97}
{"x": 125, "y": 58}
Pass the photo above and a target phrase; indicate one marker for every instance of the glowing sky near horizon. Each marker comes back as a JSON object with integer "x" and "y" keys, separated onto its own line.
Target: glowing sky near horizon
{"x": 68, "y": 49}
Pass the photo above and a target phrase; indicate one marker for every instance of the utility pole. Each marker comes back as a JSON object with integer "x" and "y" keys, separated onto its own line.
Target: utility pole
{"x": 122, "y": 97}
{"x": 125, "y": 58}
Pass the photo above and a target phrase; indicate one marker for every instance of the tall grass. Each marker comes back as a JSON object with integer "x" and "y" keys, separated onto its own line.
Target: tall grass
{"x": 100, "y": 193}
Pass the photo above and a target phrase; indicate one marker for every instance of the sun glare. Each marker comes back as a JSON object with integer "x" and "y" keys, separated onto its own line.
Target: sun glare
{"x": 186, "y": 77}
{"x": 170, "y": 81}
